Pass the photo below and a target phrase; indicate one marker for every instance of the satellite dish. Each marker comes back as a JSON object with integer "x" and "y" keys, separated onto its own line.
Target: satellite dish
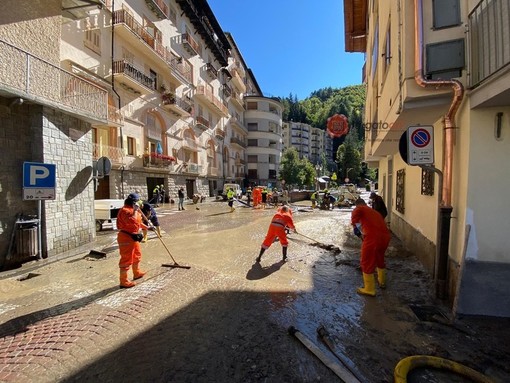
{"x": 104, "y": 166}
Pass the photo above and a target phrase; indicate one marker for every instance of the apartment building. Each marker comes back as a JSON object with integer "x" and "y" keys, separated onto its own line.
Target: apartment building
{"x": 263, "y": 118}
{"x": 442, "y": 64}
{"x": 119, "y": 96}
{"x": 311, "y": 143}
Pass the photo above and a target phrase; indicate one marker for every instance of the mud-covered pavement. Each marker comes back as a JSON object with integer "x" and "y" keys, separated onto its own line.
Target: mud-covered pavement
{"x": 226, "y": 319}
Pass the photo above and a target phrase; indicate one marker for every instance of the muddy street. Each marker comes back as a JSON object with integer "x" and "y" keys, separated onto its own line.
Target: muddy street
{"x": 226, "y": 319}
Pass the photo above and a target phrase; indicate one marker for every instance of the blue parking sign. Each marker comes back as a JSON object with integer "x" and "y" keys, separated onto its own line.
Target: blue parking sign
{"x": 39, "y": 181}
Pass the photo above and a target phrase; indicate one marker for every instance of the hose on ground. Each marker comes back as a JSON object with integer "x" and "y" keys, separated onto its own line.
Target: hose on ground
{"x": 411, "y": 362}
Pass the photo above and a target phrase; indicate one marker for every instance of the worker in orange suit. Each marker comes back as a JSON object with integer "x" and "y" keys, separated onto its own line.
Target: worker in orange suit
{"x": 257, "y": 196}
{"x": 129, "y": 223}
{"x": 281, "y": 220}
{"x": 369, "y": 225}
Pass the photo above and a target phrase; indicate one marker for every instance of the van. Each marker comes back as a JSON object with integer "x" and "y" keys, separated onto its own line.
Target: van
{"x": 238, "y": 193}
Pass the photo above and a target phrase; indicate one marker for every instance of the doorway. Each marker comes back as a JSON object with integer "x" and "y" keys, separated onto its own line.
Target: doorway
{"x": 152, "y": 182}
{"x": 190, "y": 188}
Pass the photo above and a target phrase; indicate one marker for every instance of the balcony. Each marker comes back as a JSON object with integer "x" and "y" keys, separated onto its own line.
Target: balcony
{"x": 191, "y": 168}
{"x": 27, "y": 76}
{"x": 159, "y": 8}
{"x": 236, "y": 122}
{"x": 238, "y": 142}
{"x": 219, "y": 133}
{"x": 176, "y": 105}
{"x": 211, "y": 71}
{"x": 205, "y": 94}
{"x": 237, "y": 80}
{"x": 132, "y": 78}
{"x": 237, "y": 100}
{"x": 113, "y": 153}
{"x": 226, "y": 90}
{"x": 114, "y": 115}
{"x": 489, "y": 45}
{"x": 202, "y": 123}
{"x": 155, "y": 160}
{"x": 134, "y": 32}
{"x": 190, "y": 44}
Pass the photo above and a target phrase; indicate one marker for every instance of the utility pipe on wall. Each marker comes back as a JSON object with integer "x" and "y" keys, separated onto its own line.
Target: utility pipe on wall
{"x": 445, "y": 203}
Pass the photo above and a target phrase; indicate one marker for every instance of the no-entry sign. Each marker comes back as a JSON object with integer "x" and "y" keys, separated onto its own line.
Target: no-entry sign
{"x": 420, "y": 145}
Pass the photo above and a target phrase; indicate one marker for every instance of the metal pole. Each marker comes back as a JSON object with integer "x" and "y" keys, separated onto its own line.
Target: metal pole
{"x": 39, "y": 230}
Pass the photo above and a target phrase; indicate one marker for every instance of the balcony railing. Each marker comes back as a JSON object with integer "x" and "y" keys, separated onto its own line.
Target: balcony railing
{"x": 235, "y": 140}
{"x": 179, "y": 105}
{"x": 25, "y": 74}
{"x": 219, "y": 133}
{"x": 207, "y": 94}
{"x": 489, "y": 37}
{"x": 202, "y": 123}
{"x": 113, "y": 153}
{"x": 182, "y": 67}
{"x": 211, "y": 70}
{"x": 190, "y": 167}
{"x": 159, "y": 8}
{"x": 190, "y": 44}
{"x": 125, "y": 68}
{"x": 114, "y": 115}
{"x": 154, "y": 160}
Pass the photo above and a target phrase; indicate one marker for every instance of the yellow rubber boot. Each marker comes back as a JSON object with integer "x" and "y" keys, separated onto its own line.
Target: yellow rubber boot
{"x": 124, "y": 281}
{"x": 381, "y": 278}
{"x": 369, "y": 288}
{"x": 137, "y": 273}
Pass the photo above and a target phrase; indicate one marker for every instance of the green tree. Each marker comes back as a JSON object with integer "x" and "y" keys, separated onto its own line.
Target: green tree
{"x": 296, "y": 171}
{"x": 348, "y": 159}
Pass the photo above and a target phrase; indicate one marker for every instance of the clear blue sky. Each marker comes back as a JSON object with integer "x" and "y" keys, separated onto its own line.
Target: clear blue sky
{"x": 292, "y": 46}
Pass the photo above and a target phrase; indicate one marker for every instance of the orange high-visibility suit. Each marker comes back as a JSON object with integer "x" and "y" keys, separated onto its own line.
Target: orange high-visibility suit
{"x": 257, "y": 196}
{"x": 280, "y": 221}
{"x": 376, "y": 238}
{"x": 129, "y": 222}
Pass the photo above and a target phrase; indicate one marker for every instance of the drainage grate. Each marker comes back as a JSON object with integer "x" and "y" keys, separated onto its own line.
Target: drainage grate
{"x": 28, "y": 276}
{"x": 428, "y": 313}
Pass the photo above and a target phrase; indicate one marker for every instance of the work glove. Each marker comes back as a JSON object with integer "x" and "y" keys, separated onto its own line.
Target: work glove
{"x": 358, "y": 233}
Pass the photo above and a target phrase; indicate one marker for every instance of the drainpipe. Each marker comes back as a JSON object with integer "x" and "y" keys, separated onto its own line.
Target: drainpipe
{"x": 118, "y": 106}
{"x": 445, "y": 205}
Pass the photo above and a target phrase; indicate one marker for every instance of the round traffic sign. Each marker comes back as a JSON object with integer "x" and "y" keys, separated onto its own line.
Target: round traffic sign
{"x": 420, "y": 138}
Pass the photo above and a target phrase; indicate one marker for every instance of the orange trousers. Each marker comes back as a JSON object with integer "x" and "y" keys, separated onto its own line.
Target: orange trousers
{"x": 273, "y": 232}
{"x": 130, "y": 251}
{"x": 372, "y": 253}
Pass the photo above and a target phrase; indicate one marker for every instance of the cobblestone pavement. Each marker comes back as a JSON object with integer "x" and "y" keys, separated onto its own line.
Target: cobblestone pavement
{"x": 226, "y": 318}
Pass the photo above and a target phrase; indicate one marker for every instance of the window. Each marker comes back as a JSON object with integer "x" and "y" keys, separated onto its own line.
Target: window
{"x": 253, "y": 126}
{"x": 400, "y": 197}
{"x": 131, "y": 146}
{"x": 253, "y": 159}
{"x": 253, "y": 142}
{"x": 446, "y": 13}
{"x": 252, "y": 105}
{"x": 93, "y": 40}
{"x": 387, "y": 50}
{"x": 375, "y": 51}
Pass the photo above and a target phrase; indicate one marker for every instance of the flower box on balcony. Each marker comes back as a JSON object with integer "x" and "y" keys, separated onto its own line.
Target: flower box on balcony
{"x": 156, "y": 159}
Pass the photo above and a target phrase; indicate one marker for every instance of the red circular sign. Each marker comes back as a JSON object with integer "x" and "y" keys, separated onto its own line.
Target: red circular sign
{"x": 420, "y": 138}
{"x": 337, "y": 125}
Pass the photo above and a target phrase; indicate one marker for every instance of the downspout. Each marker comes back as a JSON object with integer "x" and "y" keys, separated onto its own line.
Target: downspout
{"x": 445, "y": 207}
{"x": 118, "y": 106}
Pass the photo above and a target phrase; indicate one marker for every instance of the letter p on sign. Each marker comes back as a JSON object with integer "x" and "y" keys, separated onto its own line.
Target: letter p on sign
{"x": 38, "y": 172}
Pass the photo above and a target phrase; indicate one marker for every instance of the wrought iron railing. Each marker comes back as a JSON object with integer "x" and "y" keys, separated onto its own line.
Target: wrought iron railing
{"x": 40, "y": 80}
{"x": 113, "y": 153}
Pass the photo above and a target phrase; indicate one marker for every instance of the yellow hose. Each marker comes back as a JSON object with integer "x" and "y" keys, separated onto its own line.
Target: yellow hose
{"x": 411, "y": 362}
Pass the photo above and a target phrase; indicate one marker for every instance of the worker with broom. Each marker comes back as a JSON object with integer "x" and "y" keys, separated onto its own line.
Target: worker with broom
{"x": 129, "y": 223}
{"x": 376, "y": 238}
{"x": 280, "y": 221}
{"x": 149, "y": 214}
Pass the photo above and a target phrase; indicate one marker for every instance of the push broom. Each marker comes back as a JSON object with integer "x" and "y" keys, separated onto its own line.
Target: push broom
{"x": 175, "y": 264}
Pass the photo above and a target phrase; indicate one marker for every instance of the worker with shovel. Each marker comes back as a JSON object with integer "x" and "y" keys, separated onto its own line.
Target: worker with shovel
{"x": 376, "y": 238}
{"x": 281, "y": 220}
{"x": 129, "y": 223}
{"x": 149, "y": 214}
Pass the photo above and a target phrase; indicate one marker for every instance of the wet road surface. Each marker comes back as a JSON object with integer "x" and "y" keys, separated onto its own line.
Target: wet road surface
{"x": 226, "y": 318}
